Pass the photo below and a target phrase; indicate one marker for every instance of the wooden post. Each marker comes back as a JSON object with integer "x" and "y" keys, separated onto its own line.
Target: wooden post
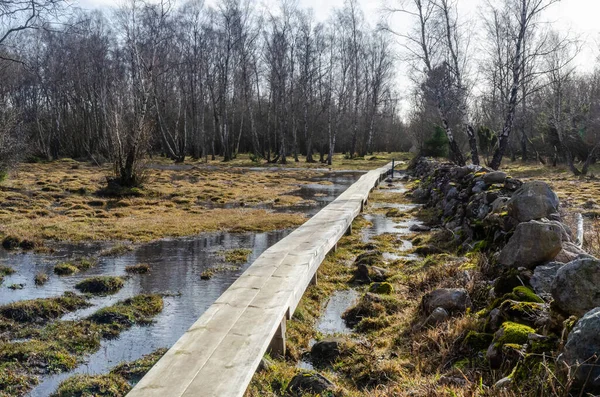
{"x": 313, "y": 280}
{"x": 277, "y": 346}
{"x": 333, "y": 249}
{"x": 349, "y": 230}
{"x": 393, "y": 162}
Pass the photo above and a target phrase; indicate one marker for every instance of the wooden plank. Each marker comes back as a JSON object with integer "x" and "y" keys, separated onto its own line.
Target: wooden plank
{"x": 220, "y": 352}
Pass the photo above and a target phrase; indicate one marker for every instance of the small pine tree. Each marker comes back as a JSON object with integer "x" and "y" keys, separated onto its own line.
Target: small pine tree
{"x": 437, "y": 145}
{"x": 488, "y": 140}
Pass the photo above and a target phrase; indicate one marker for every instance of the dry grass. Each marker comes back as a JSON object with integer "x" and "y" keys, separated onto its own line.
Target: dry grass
{"x": 61, "y": 201}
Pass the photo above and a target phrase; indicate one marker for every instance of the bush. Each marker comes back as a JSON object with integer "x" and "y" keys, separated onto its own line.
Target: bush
{"x": 437, "y": 145}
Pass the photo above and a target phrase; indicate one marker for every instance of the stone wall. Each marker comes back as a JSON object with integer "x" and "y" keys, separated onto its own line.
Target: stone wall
{"x": 544, "y": 291}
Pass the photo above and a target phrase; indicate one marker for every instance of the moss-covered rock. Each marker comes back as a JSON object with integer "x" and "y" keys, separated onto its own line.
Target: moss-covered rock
{"x": 528, "y": 313}
{"x": 369, "y": 258}
{"x": 477, "y": 341}
{"x": 381, "y": 288}
{"x": 511, "y": 332}
{"x": 525, "y": 294}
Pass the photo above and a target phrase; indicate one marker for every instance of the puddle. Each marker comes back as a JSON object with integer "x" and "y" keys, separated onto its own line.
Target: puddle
{"x": 331, "y": 321}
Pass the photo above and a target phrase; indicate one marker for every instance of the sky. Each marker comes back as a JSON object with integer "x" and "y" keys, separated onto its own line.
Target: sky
{"x": 578, "y": 17}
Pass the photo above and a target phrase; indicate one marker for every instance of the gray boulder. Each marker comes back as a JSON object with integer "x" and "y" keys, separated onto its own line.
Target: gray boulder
{"x": 309, "y": 383}
{"x": 419, "y": 228}
{"x": 543, "y": 277}
{"x": 533, "y": 200}
{"x": 576, "y": 287}
{"x": 452, "y": 300}
{"x": 532, "y": 243}
{"x": 438, "y": 316}
{"x": 582, "y": 350}
{"x": 327, "y": 350}
{"x": 494, "y": 177}
{"x": 367, "y": 274}
{"x": 568, "y": 253}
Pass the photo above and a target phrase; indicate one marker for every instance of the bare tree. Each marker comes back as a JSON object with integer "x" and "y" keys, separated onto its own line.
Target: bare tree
{"x": 424, "y": 51}
{"x": 521, "y": 17}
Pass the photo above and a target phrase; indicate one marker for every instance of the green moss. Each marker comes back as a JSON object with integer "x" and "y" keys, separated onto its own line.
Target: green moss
{"x": 65, "y": 269}
{"x": 371, "y": 306}
{"x": 546, "y": 345}
{"x": 513, "y": 333}
{"x": 381, "y": 288}
{"x": 480, "y": 246}
{"x": 49, "y": 356}
{"x": 85, "y": 263}
{"x": 531, "y": 369}
{"x": 122, "y": 315}
{"x": 477, "y": 341}
{"x": 41, "y": 310}
{"x": 78, "y": 337}
{"x": 369, "y": 258}
{"x": 14, "y": 381}
{"x": 135, "y": 370}
{"x": 96, "y": 385}
{"x": 117, "y": 250}
{"x": 394, "y": 213}
{"x": 569, "y": 323}
{"x": 462, "y": 364}
{"x": 525, "y": 294}
{"x": 522, "y": 311}
{"x": 101, "y": 285}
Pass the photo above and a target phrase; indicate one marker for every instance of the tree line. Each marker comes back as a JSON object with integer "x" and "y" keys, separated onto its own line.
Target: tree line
{"x": 503, "y": 84}
{"x": 192, "y": 80}
{"x": 186, "y": 79}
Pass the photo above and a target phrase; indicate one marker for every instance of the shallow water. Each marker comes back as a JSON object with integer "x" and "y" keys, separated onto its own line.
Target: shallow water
{"x": 331, "y": 321}
{"x": 176, "y": 265}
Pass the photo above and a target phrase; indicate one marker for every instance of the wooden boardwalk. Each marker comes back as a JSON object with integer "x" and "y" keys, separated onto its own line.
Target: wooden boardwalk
{"x": 220, "y": 352}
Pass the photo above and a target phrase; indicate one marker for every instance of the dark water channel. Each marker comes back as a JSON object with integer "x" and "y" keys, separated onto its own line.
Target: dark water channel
{"x": 176, "y": 265}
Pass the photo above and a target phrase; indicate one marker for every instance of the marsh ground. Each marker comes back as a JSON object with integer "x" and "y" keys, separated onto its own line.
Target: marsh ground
{"x": 150, "y": 240}
{"x": 388, "y": 352}
{"x": 67, "y": 200}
